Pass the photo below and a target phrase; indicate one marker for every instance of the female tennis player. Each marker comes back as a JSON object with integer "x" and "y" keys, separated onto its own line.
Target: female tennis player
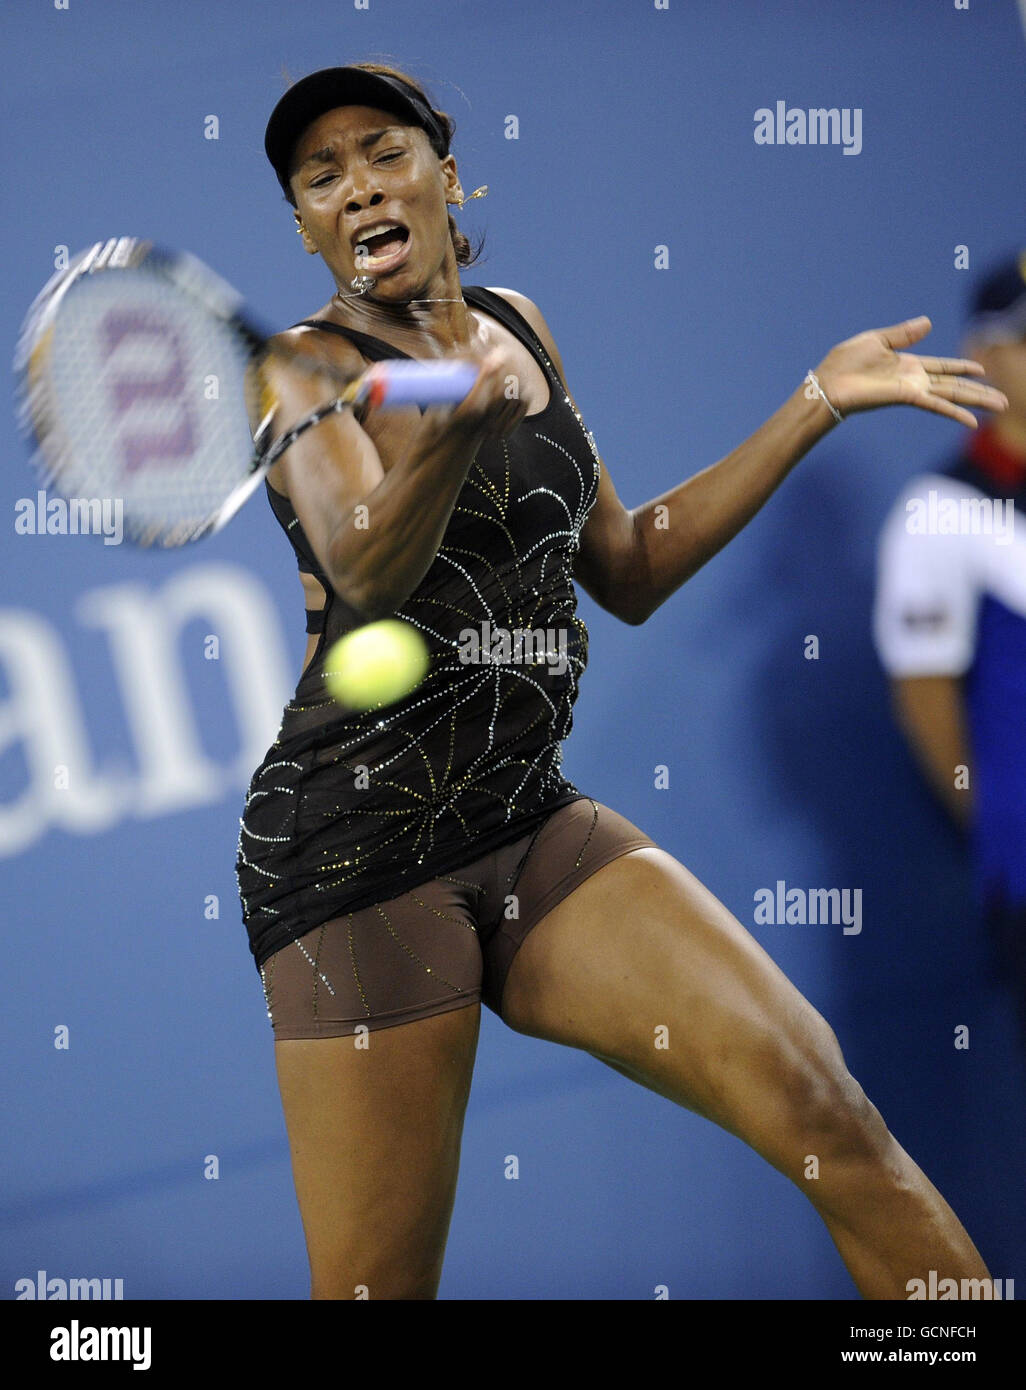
{"x": 401, "y": 866}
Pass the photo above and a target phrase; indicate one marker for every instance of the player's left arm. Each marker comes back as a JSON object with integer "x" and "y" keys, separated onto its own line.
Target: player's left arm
{"x": 635, "y": 560}
{"x": 607, "y": 563}
{"x": 628, "y": 564}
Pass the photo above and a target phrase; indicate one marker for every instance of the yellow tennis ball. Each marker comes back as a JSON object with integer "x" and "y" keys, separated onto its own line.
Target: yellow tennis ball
{"x": 376, "y": 664}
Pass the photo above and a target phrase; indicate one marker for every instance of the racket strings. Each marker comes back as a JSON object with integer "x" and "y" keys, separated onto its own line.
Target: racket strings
{"x": 136, "y": 392}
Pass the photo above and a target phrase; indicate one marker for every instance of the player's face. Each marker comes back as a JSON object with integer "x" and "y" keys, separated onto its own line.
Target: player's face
{"x": 357, "y": 167}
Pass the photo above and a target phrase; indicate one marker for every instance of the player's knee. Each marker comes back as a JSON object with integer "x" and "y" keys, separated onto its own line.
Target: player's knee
{"x": 824, "y": 1107}
{"x": 849, "y": 1121}
{"x": 836, "y": 1119}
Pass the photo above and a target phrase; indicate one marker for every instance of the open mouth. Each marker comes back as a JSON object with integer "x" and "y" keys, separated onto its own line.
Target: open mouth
{"x": 380, "y": 245}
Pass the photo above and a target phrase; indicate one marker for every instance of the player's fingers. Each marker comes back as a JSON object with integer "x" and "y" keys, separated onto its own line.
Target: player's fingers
{"x": 899, "y": 335}
{"x": 947, "y": 408}
{"x": 960, "y": 366}
{"x": 972, "y": 392}
{"x": 509, "y": 416}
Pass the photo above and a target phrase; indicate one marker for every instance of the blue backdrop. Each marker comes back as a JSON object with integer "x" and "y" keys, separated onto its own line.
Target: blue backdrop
{"x": 636, "y": 131}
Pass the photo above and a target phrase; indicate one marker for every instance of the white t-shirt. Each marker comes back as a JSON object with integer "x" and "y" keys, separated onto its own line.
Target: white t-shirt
{"x": 944, "y": 545}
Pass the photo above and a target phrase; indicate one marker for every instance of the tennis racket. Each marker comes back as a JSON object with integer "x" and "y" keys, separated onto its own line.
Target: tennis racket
{"x": 139, "y": 373}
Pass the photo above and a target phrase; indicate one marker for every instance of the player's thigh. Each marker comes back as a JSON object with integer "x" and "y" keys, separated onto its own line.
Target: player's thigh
{"x": 375, "y": 1125}
{"x": 644, "y": 967}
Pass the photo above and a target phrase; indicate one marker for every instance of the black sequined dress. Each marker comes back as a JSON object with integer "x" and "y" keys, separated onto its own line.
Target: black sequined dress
{"x": 349, "y": 809}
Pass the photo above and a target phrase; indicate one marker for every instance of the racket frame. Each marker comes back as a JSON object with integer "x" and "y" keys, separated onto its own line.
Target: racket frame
{"x": 383, "y": 384}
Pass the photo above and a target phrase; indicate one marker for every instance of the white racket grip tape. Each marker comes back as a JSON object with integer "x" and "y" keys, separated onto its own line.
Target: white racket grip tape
{"x": 416, "y": 383}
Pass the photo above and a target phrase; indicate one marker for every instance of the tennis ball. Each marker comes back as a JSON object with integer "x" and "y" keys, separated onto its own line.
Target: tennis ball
{"x": 376, "y": 664}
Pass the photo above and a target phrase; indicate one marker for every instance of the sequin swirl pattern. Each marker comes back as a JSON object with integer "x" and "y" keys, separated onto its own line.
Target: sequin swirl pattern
{"x": 349, "y": 809}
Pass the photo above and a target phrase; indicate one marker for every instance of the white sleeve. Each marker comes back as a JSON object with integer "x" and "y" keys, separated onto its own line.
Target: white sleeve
{"x": 924, "y": 617}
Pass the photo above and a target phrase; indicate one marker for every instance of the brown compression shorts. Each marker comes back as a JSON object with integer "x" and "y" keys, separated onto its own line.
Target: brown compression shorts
{"x": 444, "y": 944}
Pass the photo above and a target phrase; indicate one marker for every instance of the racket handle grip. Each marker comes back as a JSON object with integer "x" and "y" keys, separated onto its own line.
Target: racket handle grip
{"x": 416, "y": 383}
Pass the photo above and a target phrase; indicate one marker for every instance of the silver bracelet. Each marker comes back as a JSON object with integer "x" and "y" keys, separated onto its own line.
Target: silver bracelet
{"x": 814, "y": 389}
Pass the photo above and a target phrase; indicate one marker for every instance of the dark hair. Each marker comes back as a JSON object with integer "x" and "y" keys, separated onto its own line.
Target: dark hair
{"x": 465, "y": 253}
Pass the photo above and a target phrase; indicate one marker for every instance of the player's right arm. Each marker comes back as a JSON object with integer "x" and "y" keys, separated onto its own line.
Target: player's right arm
{"x": 924, "y": 628}
{"x": 931, "y": 713}
{"x": 405, "y": 469}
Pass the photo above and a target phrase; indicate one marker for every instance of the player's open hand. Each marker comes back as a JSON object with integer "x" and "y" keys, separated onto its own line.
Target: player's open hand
{"x": 870, "y": 370}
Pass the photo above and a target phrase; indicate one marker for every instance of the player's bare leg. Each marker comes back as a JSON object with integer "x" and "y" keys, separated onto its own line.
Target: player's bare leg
{"x": 641, "y": 943}
{"x": 375, "y": 1139}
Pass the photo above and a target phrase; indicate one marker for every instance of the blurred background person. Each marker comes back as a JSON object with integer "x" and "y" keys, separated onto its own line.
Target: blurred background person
{"x": 950, "y": 624}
